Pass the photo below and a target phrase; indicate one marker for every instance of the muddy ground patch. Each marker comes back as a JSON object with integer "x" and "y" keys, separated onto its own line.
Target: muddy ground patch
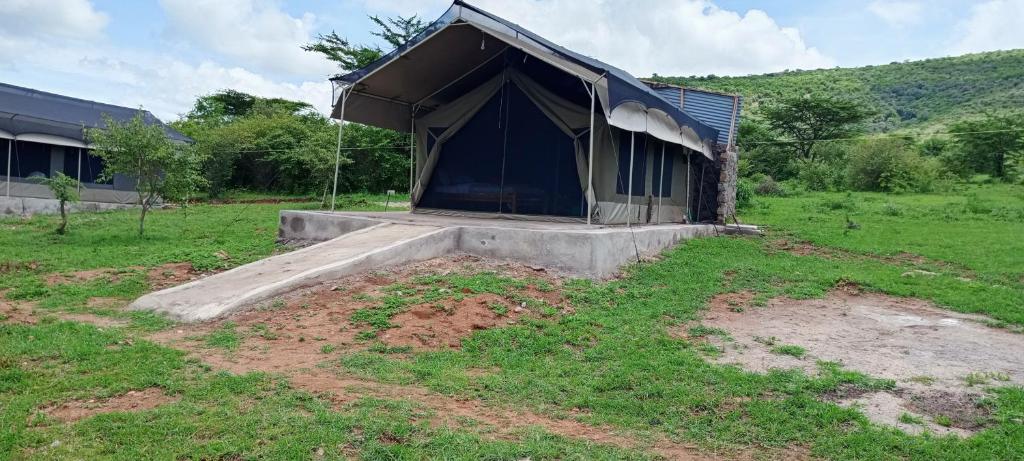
{"x": 941, "y": 361}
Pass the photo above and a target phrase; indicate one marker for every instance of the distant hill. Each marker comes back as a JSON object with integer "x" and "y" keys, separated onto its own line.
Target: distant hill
{"x": 914, "y": 96}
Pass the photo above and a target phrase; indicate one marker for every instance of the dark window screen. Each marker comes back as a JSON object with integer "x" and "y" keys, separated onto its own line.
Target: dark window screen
{"x": 663, "y": 181}
{"x": 639, "y": 163}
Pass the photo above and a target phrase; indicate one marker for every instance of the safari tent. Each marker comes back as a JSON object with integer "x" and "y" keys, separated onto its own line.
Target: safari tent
{"x": 504, "y": 123}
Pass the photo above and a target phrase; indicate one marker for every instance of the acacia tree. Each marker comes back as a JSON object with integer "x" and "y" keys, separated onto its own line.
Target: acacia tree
{"x": 141, "y": 151}
{"x": 65, "y": 190}
{"x": 395, "y": 31}
{"x": 991, "y": 145}
{"x": 802, "y": 122}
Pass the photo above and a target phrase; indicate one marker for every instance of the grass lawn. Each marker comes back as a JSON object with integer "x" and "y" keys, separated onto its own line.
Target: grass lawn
{"x": 610, "y": 363}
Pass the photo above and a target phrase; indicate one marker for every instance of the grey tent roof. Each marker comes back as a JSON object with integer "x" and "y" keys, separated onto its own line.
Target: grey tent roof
{"x": 393, "y": 102}
{"x": 28, "y": 114}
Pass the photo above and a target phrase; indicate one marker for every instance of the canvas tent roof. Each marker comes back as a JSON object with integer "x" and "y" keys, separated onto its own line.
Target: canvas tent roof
{"x": 454, "y": 54}
{"x": 31, "y": 115}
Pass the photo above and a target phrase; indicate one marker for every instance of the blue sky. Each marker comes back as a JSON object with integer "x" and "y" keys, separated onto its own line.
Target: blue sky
{"x": 161, "y": 54}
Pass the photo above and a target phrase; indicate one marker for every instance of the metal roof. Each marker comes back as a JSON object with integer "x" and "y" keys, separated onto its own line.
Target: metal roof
{"x": 27, "y": 113}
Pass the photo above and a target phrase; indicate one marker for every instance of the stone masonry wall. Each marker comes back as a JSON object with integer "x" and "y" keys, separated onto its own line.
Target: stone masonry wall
{"x": 728, "y": 164}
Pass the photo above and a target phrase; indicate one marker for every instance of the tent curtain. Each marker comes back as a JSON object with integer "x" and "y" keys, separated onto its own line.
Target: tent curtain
{"x": 452, "y": 117}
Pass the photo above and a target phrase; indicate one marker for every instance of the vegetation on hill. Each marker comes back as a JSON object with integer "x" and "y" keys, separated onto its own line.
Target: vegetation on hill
{"x": 917, "y": 95}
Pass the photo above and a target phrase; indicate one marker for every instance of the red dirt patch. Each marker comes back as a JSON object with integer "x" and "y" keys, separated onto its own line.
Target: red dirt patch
{"x": 444, "y": 324}
{"x": 171, "y": 274}
{"x": 75, "y": 410}
{"x": 81, "y": 276}
{"x": 17, "y": 312}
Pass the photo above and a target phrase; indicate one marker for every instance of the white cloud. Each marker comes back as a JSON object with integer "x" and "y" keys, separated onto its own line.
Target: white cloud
{"x": 254, "y": 32}
{"x": 59, "y": 18}
{"x": 993, "y": 25}
{"x": 70, "y": 55}
{"x": 897, "y": 13}
{"x": 668, "y": 37}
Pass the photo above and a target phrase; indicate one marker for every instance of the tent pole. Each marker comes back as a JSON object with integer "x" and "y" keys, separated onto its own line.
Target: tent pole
{"x": 661, "y": 181}
{"x": 10, "y": 143}
{"x": 337, "y": 153}
{"x": 590, "y": 160}
{"x": 688, "y": 217}
{"x": 79, "y": 177}
{"x": 412, "y": 148}
{"x": 629, "y": 190}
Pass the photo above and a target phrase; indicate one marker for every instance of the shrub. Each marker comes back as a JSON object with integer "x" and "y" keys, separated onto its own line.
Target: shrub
{"x": 744, "y": 193}
{"x": 768, "y": 186}
{"x": 820, "y": 176}
{"x": 891, "y": 165}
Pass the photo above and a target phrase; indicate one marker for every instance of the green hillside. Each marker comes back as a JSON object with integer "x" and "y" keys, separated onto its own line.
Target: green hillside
{"x": 918, "y": 95}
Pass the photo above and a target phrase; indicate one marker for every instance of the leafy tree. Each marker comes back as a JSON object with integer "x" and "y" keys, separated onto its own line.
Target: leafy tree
{"x": 986, "y": 145}
{"x": 65, "y": 190}
{"x": 143, "y": 152}
{"x": 395, "y": 31}
{"x": 802, "y": 122}
{"x": 761, "y": 155}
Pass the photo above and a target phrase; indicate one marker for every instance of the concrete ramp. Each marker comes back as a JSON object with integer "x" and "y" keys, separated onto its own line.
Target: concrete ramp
{"x": 376, "y": 246}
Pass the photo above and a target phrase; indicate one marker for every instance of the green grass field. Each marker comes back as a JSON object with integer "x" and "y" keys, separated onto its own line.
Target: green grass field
{"x": 610, "y": 363}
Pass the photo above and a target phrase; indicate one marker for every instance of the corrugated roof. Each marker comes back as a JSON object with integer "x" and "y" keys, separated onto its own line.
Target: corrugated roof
{"x": 25, "y": 111}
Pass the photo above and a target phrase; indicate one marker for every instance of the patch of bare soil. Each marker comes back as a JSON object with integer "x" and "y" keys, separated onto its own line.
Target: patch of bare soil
{"x": 444, "y": 324}
{"x": 936, "y": 356}
{"x": 289, "y": 337}
{"x": 81, "y": 276}
{"x": 171, "y": 274}
{"x": 97, "y": 320}
{"x": 17, "y": 312}
{"x": 75, "y": 410}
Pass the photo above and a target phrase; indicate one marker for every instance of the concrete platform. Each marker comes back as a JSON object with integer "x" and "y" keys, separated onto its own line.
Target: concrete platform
{"x": 354, "y": 242}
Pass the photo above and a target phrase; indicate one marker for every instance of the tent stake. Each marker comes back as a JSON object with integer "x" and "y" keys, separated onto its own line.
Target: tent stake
{"x": 590, "y": 161}
{"x": 337, "y": 153}
{"x": 629, "y": 189}
{"x": 661, "y": 181}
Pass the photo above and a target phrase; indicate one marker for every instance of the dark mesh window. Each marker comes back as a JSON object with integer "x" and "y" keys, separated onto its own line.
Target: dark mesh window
{"x": 639, "y": 162}
{"x": 92, "y": 165}
{"x": 663, "y": 181}
{"x": 29, "y": 158}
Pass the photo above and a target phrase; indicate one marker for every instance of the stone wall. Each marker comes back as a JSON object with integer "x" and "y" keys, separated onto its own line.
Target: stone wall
{"x": 728, "y": 164}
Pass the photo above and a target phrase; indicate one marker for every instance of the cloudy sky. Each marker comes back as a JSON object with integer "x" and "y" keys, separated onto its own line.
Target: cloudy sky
{"x": 161, "y": 54}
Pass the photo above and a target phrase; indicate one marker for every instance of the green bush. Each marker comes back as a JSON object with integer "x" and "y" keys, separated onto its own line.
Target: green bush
{"x": 891, "y": 165}
{"x": 744, "y": 193}
{"x": 820, "y": 176}
{"x": 766, "y": 185}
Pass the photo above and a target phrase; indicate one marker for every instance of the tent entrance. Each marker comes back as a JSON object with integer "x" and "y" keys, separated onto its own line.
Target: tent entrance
{"x": 508, "y": 158}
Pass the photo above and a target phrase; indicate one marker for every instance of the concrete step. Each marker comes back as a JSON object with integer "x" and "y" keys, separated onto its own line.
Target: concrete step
{"x": 377, "y": 246}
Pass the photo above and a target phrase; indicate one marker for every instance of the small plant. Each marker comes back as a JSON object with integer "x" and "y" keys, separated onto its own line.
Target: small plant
{"x": 224, "y": 337}
{"x": 790, "y": 350}
{"x": 366, "y": 335}
{"x": 907, "y": 418}
{"x": 65, "y": 190}
{"x": 700, "y": 331}
{"x": 382, "y": 348}
{"x": 769, "y": 341}
{"x": 943, "y": 420}
{"x": 261, "y": 330}
{"x": 892, "y": 209}
{"x": 923, "y": 379}
{"x": 983, "y": 377}
{"x": 327, "y": 348}
{"x": 500, "y": 309}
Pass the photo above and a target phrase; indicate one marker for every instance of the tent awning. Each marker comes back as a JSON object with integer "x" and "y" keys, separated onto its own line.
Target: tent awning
{"x": 454, "y": 53}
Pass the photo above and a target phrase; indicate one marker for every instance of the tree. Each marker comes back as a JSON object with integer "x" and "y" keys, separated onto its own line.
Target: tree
{"x": 802, "y": 122}
{"x": 143, "y": 152}
{"x": 395, "y": 31}
{"x": 65, "y": 190}
{"x": 988, "y": 144}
